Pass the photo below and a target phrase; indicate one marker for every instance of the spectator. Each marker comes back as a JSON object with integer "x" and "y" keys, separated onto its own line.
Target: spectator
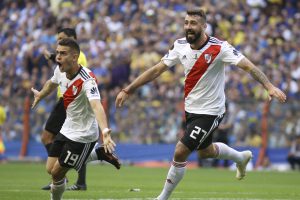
{"x": 294, "y": 154}
{"x": 138, "y": 33}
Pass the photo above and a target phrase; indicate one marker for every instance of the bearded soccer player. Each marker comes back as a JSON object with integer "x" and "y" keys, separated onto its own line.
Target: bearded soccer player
{"x": 204, "y": 59}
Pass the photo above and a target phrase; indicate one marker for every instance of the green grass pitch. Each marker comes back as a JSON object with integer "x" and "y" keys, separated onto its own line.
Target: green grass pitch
{"x": 22, "y": 181}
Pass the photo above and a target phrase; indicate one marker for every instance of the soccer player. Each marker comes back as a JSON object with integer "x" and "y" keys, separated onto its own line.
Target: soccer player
{"x": 84, "y": 116}
{"x": 203, "y": 58}
{"x": 58, "y": 115}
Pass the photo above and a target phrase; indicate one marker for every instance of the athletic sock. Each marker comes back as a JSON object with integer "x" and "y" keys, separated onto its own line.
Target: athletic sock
{"x": 57, "y": 189}
{"x": 227, "y": 153}
{"x": 81, "y": 176}
{"x": 175, "y": 174}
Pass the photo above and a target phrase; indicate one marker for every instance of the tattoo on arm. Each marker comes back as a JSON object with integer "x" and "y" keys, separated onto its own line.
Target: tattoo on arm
{"x": 254, "y": 71}
{"x": 258, "y": 75}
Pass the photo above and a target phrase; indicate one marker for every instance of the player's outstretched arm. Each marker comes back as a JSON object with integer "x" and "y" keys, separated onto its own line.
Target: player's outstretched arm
{"x": 48, "y": 87}
{"x": 142, "y": 79}
{"x": 258, "y": 75}
{"x": 108, "y": 143}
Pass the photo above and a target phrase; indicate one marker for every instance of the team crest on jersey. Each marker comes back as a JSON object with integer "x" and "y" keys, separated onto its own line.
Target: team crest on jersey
{"x": 207, "y": 57}
{"x": 74, "y": 90}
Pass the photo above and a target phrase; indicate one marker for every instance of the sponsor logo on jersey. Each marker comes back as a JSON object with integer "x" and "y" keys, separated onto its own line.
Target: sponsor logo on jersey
{"x": 94, "y": 90}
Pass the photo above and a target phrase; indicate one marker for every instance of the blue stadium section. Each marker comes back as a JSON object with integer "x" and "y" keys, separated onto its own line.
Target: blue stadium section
{"x": 140, "y": 152}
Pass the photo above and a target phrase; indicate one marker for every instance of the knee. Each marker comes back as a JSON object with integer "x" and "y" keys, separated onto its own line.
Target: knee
{"x": 47, "y": 137}
{"x": 181, "y": 153}
{"x": 57, "y": 175}
{"x": 203, "y": 154}
{"x": 49, "y": 169}
{"x": 177, "y": 154}
{"x": 206, "y": 154}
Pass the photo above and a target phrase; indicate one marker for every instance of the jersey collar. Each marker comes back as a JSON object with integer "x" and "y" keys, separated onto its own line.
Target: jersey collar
{"x": 80, "y": 68}
{"x": 206, "y": 41}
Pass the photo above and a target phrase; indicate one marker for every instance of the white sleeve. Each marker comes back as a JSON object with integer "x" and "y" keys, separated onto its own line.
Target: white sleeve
{"x": 171, "y": 58}
{"x": 91, "y": 89}
{"x": 55, "y": 77}
{"x": 230, "y": 55}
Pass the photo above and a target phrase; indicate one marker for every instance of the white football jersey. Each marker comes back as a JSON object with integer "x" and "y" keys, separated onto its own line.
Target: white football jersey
{"x": 60, "y": 79}
{"x": 204, "y": 73}
{"x": 80, "y": 124}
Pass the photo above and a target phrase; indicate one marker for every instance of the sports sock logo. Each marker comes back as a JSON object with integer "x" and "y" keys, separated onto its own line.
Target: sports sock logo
{"x": 169, "y": 181}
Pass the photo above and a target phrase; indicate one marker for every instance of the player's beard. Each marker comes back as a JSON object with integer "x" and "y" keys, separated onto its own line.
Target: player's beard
{"x": 192, "y": 39}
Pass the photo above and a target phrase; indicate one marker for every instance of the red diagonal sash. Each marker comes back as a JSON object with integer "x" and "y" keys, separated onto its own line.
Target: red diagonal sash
{"x": 72, "y": 92}
{"x": 200, "y": 67}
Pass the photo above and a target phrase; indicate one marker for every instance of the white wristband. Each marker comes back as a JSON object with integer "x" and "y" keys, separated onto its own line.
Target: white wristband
{"x": 105, "y": 130}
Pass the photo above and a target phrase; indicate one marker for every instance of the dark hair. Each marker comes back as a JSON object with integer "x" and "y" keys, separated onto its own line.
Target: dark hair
{"x": 70, "y": 43}
{"x": 70, "y": 32}
{"x": 197, "y": 11}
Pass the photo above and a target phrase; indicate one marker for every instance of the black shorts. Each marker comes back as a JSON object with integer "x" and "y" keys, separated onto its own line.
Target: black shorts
{"x": 199, "y": 129}
{"x": 70, "y": 154}
{"x": 56, "y": 118}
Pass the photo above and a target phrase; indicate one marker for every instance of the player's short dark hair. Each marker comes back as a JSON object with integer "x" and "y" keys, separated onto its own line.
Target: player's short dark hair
{"x": 70, "y": 32}
{"x": 197, "y": 11}
{"x": 70, "y": 43}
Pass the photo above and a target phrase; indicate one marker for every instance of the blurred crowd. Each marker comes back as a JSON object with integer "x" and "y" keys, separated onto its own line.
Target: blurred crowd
{"x": 122, "y": 38}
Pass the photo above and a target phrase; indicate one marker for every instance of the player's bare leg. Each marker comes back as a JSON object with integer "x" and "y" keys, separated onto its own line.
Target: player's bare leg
{"x": 47, "y": 139}
{"x": 58, "y": 181}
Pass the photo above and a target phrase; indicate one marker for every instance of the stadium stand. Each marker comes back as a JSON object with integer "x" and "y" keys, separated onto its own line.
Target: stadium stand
{"x": 123, "y": 38}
